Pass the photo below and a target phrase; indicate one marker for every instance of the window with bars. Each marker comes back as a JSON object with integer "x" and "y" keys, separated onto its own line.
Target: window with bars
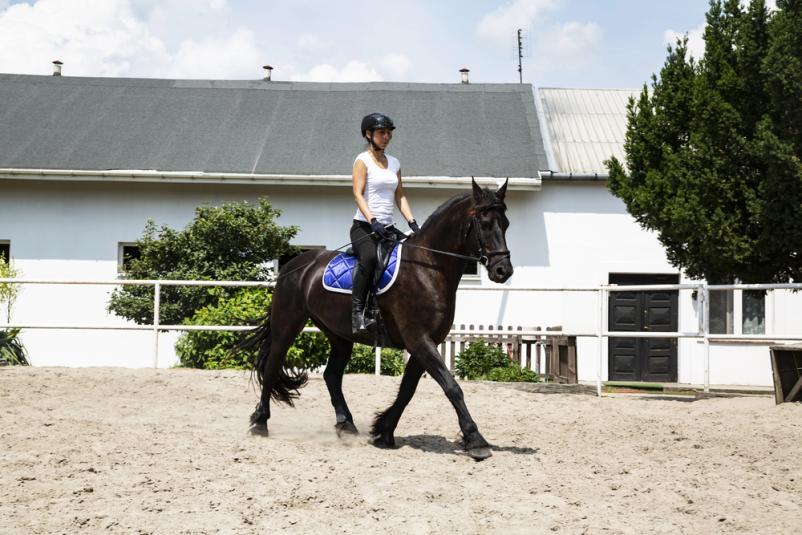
{"x": 737, "y": 312}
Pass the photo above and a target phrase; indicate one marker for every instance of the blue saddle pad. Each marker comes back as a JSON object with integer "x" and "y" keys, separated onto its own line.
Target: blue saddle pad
{"x": 338, "y": 275}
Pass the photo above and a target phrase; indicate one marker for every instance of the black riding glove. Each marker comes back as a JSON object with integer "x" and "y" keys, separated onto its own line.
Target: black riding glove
{"x": 413, "y": 226}
{"x": 379, "y": 229}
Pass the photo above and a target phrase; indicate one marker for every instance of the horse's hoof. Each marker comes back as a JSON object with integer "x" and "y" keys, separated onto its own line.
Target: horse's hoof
{"x": 480, "y": 454}
{"x": 259, "y": 430}
{"x": 384, "y": 443}
{"x": 345, "y": 428}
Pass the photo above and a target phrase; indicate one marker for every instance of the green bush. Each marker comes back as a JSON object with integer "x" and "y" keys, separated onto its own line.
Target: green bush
{"x": 12, "y": 352}
{"x": 513, "y": 374}
{"x": 310, "y": 351}
{"x": 363, "y": 360}
{"x": 476, "y": 360}
{"x": 212, "y": 349}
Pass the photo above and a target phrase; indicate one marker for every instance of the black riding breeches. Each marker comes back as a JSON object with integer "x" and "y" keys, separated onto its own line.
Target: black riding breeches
{"x": 364, "y": 245}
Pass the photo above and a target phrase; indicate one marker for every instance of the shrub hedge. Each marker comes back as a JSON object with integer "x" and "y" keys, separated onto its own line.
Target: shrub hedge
{"x": 481, "y": 360}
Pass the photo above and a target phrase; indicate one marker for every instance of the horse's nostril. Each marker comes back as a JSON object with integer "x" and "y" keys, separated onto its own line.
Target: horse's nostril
{"x": 500, "y": 271}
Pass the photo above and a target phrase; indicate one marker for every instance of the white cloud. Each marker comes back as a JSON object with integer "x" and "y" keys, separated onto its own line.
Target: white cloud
{"x": 502, "y": 23}
{"x": 353, "y": 71}
{"x": 696, "y": 43}
{"x": 312, "y": 43}
{"x": 92, "y": 37}
{"x": 567, "y": 47}
{"x": 576, "y": 37}
{"x": 396, "y": 66}
{"x": 107, "y": 38}
{"x": 235, "y": 56}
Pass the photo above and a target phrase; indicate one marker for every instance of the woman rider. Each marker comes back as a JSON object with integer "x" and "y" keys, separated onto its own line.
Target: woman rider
{"x": 376, "y": 181}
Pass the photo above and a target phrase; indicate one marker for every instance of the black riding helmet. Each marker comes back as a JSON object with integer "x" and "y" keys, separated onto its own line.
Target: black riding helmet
{"x": 374, "y": 121}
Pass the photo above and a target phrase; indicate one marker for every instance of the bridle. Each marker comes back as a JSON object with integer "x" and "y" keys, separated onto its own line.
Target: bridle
{"x": 484, "y": 256}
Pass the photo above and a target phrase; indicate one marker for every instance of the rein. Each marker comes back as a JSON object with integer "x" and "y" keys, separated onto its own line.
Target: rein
{"x": 484, "y": 257}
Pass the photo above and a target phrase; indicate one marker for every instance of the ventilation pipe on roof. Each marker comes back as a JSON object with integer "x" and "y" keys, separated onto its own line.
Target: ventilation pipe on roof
{"x": 268, "y": 73}
{"x": 57, "y": 68}
{"x": 464, "y": 75}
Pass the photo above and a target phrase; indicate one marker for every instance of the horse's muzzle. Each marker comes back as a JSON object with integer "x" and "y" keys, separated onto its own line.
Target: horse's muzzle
{"x": 500, "y": 271}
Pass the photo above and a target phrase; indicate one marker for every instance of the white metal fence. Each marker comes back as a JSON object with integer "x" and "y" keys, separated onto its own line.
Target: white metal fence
{"x": 602, "y": 292}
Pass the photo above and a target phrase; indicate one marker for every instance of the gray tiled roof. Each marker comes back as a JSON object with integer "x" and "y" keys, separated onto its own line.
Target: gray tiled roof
{"x": 261, "y": 127}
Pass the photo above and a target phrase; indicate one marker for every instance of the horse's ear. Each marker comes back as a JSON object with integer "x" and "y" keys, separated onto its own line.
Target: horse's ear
{"x": 502, "y": 190}
{"x": 477, "y": 191}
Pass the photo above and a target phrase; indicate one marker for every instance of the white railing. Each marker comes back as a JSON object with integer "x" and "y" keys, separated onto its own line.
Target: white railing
{"x": 702, "y": 333}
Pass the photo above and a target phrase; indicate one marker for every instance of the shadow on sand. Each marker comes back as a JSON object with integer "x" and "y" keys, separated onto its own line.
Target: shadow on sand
{"x": 438, "y": 444}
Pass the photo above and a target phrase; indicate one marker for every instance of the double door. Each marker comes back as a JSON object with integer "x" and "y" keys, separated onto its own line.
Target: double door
{"x": 643, "y": 359}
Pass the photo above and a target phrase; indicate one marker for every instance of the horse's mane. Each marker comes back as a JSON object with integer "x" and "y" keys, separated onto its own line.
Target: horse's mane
{"x": 445, "y": 208}
{"x": 489, "y": 199}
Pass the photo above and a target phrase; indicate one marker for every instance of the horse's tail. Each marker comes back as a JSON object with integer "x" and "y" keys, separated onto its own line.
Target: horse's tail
{"x": 285, "y": 389}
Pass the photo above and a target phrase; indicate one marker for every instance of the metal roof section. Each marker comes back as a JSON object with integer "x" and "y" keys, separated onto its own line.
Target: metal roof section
{"x": 258, "y": 130}
{"x": 585, "y": 127}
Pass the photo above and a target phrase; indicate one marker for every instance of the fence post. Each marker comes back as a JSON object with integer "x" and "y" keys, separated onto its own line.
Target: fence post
{"x": 378, "y": 360}
{"x": 601, "y": 341}
{"x": 156, "y": 310}
{"x": 706, "y": 319}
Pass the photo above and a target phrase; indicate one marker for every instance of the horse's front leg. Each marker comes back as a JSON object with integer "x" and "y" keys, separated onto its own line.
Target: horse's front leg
{"x": 475, "y": 444}
{"x": 333, "y": 374}
{"x": 385, "y": 423}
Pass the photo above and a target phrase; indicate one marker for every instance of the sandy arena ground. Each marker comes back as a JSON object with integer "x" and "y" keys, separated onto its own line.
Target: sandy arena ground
{"x": 166, "y": 451}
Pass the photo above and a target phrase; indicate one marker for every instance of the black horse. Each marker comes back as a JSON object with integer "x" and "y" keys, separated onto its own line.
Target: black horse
{"x": 418, "y": 311}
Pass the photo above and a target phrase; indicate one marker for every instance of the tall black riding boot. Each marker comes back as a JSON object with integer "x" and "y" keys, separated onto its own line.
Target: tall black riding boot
{"x": 359, "y": 293}
{"x": 358, "y": 316}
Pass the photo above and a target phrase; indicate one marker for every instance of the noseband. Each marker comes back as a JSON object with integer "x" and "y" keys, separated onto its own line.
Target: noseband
{"x": 484, "y": 256}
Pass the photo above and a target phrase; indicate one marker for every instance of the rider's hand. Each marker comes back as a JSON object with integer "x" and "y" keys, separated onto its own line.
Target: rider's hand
{"x": 379, "y": 229}
{"x": 413, "y": 226}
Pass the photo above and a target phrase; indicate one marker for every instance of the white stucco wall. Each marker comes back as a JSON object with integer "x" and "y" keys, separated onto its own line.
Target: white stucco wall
{"x": 567, "y": 234}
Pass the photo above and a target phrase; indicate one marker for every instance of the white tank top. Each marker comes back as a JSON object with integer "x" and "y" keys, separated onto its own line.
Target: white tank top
{"x": 379, "y": 188}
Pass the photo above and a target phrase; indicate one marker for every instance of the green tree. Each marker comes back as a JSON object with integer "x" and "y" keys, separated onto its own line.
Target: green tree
{"x": 713, "y": 149}
{"x": 230, "y": 242}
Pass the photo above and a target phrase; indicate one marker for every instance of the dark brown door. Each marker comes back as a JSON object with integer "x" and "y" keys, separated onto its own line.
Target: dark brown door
{"x": 643, "y": 359}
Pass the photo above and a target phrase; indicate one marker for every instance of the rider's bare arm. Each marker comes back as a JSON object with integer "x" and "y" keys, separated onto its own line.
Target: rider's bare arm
{"x": 401, "y": 200}
{"x": 359, "y": 179}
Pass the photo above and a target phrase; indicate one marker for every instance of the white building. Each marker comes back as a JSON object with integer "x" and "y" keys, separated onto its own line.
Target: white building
{"x": 84, "y": 162}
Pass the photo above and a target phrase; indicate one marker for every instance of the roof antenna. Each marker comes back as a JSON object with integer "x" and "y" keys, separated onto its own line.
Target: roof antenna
{"x": 520, "y": 57}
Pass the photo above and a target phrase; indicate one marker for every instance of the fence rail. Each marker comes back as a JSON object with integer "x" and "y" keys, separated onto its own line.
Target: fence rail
{"x": 529, "y": 337}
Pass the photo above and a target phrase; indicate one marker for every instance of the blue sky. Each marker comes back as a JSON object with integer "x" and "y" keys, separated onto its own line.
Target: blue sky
{"x": 568, "y": 43}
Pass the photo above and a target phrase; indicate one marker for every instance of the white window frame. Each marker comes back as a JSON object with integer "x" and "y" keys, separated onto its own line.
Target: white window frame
{"x": 7, "y": 242}
{"x": 120, "y": 253}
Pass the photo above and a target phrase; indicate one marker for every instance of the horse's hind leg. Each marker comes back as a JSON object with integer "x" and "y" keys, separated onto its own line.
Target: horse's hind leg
{"x": 275, "y": 381}
{"x": 385, "y": 423}
{"x": 335, "y": 368}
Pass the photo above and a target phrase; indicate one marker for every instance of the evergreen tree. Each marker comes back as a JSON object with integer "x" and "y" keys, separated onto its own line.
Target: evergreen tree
{"x": 713, "y": 150}
{"x": 230, "y": 242}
